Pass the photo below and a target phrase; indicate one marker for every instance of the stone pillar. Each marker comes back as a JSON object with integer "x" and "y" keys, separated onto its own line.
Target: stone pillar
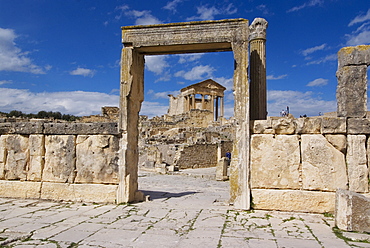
{"x": 131, "y": 97}
{"x": 203, "y": 107}
{"x": 212, "y": 104}
{"x": 257, "y": 41}
{"x": 352, "y": 81}
{"x": 239, "y": 167}
{"x": 222, "y": 107}
{"x": 193, "y": 101}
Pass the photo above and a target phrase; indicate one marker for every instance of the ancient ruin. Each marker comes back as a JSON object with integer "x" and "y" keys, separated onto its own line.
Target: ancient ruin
{"x": 278, "y": 163}
{"x": 211, "y": 98}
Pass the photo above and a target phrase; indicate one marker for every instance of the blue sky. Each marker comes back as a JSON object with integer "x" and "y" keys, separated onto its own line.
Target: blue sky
{"x": 64, "y": 55}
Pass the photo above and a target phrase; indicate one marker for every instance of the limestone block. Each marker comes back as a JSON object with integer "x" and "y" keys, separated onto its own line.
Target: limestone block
{"x": 20, "y": 189}
{"x": 335, "y": 125}
{"x": 308, "y": 125}
{"x": 6, "y": 128}
{"x": 99, "y": 193}
{"x": 97, "y": 159}
{"x": 17, "y": 157}
{"x": 358, "y": 55}
{"x": 293, "y": 200}
{"x": 323, "y": 166}
{"x": 352, "y": 211}
{"x": 262, "y": 126}
{"x": 275, "y": 161}
{"x": 352, "y": 91}
{"x": 339, "y": 141}
{"x": 358, "y": 126}
{"x": 357, "y": 170}
{"x": 284, "y": 125}
{"x": 221, "y": 169}
{"x": 37, "y": 153}
{"x": 27, "y": 127}
{"x": 3, "y": 154}
{"x": 60, "y": 156}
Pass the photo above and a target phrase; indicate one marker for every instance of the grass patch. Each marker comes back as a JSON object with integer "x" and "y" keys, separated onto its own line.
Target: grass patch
{"x": 290, "y": 219}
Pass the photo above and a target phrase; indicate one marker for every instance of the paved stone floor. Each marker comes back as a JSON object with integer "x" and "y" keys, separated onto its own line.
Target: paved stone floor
{"x": 184, "y": 211}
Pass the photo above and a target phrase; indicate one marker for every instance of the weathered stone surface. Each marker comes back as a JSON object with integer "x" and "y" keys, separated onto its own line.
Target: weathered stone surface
{"x": 262, "y": 127}
{"x": 97, "y": 159}
{"x": 20, "y": 189}
{"x": 323, "y": 166}
{"x": 308, "y": 125}
{"x": 339, "y": 141}
{"x": 358, "y": 126}
{"x": 358, "y": 172}
{"x": 221, "y": 169}
{"x": 293, "y": 200}
{"x": 275, "y": 161}
{"x": 3, "y": 154}
{"x": 185, "y": 156}
{"x": 81, "y": 128}
{"x": 333, "y": 125}
{"x": 27, "y": 127}
{"x": 17, "y": 157}
{"x": 79, "y": 192}
{"x": 60, "y": 156}
{"x": 352, "y": 91}
{"x": 284, "y": 125}
{"x": 37, "y": 153}
{"x": 352, "y": 211}
{"x": 358, "y": 55}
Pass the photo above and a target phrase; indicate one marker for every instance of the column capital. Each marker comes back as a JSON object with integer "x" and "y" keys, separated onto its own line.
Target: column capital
{"x": 258, "y": 29}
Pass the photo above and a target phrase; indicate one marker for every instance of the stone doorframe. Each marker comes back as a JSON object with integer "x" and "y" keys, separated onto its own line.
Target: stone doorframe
{"x": 176, "y": 38}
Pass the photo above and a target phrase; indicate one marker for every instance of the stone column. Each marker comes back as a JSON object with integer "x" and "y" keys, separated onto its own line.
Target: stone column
{"x": 131, "y": 97}
{"x": 212, "y": 104}
{"x": 222, "y": 107}
{"x": 239, "y": 167}
{"x": 203, "y": 107}
{"x": 257, "y": 41}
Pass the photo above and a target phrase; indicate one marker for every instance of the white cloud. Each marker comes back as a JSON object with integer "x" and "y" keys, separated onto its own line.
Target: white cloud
{"x": 80, "y": 103}
{"x": 300, "y": 103}
{"x": 360, "y": 18}
{"x": 309, "y": 3}
{"x": 313, "y": 49}
{"x": 209, "y": 13}
{"x": 152, "y": 109}
{"x": 172, "y": 5}
{"x": 83, "y": 72}
{"x": 226, "y": 82}
{"x": 360, "y": 36}
{"x": 143, "y": 17}
{"x": 330, "y": 57}
{"x": 318, "y": 82}
{"x": 156, "y": 63}
{"x": 6, "y": 82}
{"x": 163, "y": 95}
{"x": 189, "y": 57}
{"x": 12, "y": 58}
{"x": 272, "y": 77}
{"x": 197, "y": 73}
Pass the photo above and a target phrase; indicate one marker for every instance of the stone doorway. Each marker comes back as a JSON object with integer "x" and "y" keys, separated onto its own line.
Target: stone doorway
{"x": 176, "y": 38}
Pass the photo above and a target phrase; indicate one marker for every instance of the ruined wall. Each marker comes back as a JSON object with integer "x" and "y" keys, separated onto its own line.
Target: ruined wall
{"x": 297, "y": 164}
{"x": 59, "y": 161}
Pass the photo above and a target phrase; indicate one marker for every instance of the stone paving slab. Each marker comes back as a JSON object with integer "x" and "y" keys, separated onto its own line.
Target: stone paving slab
{"x": 183, "y": 212}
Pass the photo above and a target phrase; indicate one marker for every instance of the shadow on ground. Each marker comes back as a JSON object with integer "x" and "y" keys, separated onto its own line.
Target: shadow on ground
{"x": 161, "y": 194}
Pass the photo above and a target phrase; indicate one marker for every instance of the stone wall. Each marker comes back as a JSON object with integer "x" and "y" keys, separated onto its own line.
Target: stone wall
{"x": 59, "y": 161}
{"x": 298, "y": 164}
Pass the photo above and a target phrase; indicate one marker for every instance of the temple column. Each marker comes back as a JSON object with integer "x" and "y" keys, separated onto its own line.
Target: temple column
{"x": 203, "y": 107}
{"x": 193, "y": 101}
{"x": 257, "y": 41}
{"x": 212, "y": 103}
{"x": 216, "y": 109}
{"x": 222, "y": 107}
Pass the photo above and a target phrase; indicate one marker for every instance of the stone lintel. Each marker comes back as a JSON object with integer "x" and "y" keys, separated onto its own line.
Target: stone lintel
{"x": 357, "y": 55}
{"x": 186, "y": 37}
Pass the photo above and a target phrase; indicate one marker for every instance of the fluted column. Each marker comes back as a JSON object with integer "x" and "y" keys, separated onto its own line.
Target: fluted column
{"x": 222, "y": 107}
{"x": 203, "y": 107}
{"x": 258, "y": 96}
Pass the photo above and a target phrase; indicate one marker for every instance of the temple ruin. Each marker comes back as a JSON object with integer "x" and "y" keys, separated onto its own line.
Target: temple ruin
{"x": 278, "y": 163}
{"x": 211, "y": 98}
